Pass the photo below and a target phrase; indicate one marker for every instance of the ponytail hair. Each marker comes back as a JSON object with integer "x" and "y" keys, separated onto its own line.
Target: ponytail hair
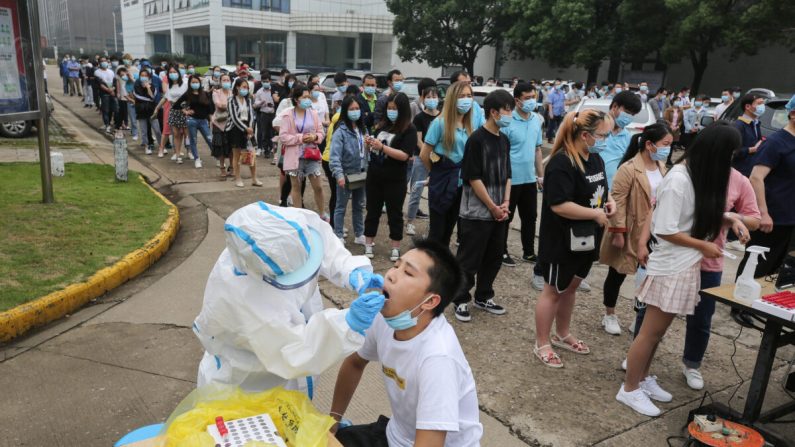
{"x": 637, "y": 143}
{"x": 572, "y": 125}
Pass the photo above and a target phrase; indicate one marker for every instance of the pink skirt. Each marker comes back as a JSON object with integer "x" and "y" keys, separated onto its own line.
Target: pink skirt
{"x": 673, "y": 294}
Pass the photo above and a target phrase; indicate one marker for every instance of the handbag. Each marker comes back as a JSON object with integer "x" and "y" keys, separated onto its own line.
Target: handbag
{"x": 582, "y": 236}
{"x": 312, "y": 152}
{"x": 248, "y": 158}
{"x": 355, "y": 181}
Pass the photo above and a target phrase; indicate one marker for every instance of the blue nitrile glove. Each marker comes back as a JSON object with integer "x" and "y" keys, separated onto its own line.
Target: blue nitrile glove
{"x": 362, "y": 279}
{"x": 363, "y": 311}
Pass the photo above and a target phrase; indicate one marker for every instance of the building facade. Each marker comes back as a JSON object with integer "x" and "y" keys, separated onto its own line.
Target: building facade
{"x": 87, "y": 25}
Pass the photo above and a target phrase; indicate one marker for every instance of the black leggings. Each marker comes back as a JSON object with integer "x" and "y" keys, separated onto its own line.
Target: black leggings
{"x": 389, "y": 193}
{"x": 332, "y": 185}
{"x": 612, "y": 287}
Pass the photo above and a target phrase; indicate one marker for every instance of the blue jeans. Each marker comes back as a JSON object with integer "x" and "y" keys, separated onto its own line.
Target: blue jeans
{"x": 343, "y": 195}
{"x": 418, "y": 174}
{"x": 202, "y": 126}
{"x": 698, "y": 324}
{"x": 110, "y": 108}
{"x": 132, "y": 118}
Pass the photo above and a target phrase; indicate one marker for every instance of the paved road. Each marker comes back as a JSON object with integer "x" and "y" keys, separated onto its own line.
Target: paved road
{"x": 127, "y": 359}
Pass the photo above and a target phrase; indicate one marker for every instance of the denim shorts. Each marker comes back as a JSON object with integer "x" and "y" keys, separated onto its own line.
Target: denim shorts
{"x": 306, "y": 168}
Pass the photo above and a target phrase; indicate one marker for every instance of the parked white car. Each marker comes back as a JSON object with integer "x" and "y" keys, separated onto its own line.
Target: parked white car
{"x": 644, "y": 118}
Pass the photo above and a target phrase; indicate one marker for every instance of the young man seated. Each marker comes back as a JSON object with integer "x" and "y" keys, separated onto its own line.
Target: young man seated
{"x": 430, "y": 385}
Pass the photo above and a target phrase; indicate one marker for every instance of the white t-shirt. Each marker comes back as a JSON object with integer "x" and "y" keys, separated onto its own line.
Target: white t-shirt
{"x": 676, "y": 205}
{"x": 429, "y": 382}
{"x": 655, "y": 178}
{"x": 106, "y": 75}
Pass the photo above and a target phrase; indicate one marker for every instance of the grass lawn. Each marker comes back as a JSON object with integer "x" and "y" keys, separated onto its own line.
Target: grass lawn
{"x": 94, "y": 222}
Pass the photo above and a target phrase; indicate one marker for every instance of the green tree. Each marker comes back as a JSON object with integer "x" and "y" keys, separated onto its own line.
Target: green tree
{"x": 644, "y": 25}
{"x": 742, "y": 26}
{"x": 582, "y": 33}
{"x": 447, "y": 32}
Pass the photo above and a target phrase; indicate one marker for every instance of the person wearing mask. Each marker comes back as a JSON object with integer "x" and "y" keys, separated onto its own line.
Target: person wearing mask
{"x": 114, "y": 63}
{"x": 556, "y": 108}
{"x": 685, "y": 234}
{"x": 240, "y": 128}
{"x": 726, "y": 99}
{"x": 221, "y": 148}
{"x": 123, "y": 97}
{"x": 162, "y": 78}
{"x": 133, "y": 68}
{"x": 659, "y": 104}
{"x": 106, "y": 80}
{"x": 265, "y": 101}
{"x": 643, "y": 92}
{"x": 368, "y": 99}
{"x": 525, "y": 136}
{"x": 348, "y": 157}
{"x": 212, "y": 79}
{"x": 574, "y": 97}
{"x": 145, "y": 94}
{"x": 198, "y": 107}
{"x": 753, "y": 107}
{"x": 177, "y": 122}
{"x": 395, "y": 141}
{"x": 684, "y": 95}
{"x": 133, "y": 72}
{"x": 395, "y": 81}
{"x": 281, "y": 87}
{"x": 429, "y": 96}
{"x": 88, "y": 84}
{"x": 73, "y": 67}
{"x": 486, "y": 174}
{"x": 634, "y": 190}
{"x": 673, "y": 115}
{"x": 301, "y": 131}
{"x": 63, "y": 70}
{"x": 319, "y": 104}
{"x": 442, "y": 152}
{"x": 417, "y": 105}
{"x": 624, "y": 106}
{"x": 593, "y": 92}
{"x": 463, "y": 76}
{"x": 771, "y": 178}
{"x": 576, "y": 203}
{"x": 341, "y": 83}
{"x": 693, "y": 117}
{"x": 332, "y": 203}
{"x": 736, "y": 92}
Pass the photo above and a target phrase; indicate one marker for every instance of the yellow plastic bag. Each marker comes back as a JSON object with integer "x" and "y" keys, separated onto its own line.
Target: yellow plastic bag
{"x": 297, "y": 420}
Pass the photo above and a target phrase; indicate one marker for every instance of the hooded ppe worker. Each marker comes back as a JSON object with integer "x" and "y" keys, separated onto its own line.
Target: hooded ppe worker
{"x": 262, "y": 323}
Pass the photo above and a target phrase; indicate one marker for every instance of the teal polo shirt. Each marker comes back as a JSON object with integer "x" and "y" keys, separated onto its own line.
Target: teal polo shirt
{"x": 617, "y": 144}
{"x": 525, "y": 136}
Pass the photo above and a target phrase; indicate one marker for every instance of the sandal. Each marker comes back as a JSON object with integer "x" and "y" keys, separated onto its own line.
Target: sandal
{"x": 547, "y": 358}
{"x": 579, "y": 347}
{"x": 256, "y": 183}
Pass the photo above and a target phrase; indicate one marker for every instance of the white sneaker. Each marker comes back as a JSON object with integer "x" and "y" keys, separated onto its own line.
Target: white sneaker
{"x": 735, "y": 246}
{"x": 584, "y": 287}
{"x": 359, "y": 240}
{"x": 624, "y": 364}
{"x": 538, "y": 282}
{"x": 654, "y": 390}
{"x": 258, "y": 152}
{"x": 694, "y": 378}
{"x": 173, "y": 157}
{"x": 239, "y": 183}
{"x": 368, "y": 251}
{"x": 217, "y": 163}
{"x": 198, "y": 163}
{"x": 135, "y": 137}
{"x": 410, "y": 230}
{"x": 148, "y": 151}
{"x": 344, "y": 232}
{"x": 395, "y": 255}
{"x": 610, "y": 323}
{"x": 190, "y": 155}
{"x": 639, "y": 401}
{"x": 179, "y": 160}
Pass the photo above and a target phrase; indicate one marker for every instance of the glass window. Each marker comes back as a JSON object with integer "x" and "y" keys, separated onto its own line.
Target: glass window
{"x": 365, "y": 46}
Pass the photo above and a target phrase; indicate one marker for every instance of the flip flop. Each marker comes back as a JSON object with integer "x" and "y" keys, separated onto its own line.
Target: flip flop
{"x": 578, "y": 348}
{"x": 547, "y": 358}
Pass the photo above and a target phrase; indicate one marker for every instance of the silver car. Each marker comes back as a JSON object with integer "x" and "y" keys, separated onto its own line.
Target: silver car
{"x": 642, "y": 119}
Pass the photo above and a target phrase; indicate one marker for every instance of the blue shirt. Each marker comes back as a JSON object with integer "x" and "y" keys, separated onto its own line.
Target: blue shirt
{"x": 777, "y": 152}
{"x": 157, "y": 85}
{"x": 435, "y": 134}
{"x": 525, "y": 136}
{"x": 751, "y": 133}
{"x": 617, "y": 144}
{"x": 557, "y": 99}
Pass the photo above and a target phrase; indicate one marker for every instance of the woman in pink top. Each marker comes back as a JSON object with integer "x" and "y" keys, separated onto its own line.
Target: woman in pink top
{"x": 301, "y": 132}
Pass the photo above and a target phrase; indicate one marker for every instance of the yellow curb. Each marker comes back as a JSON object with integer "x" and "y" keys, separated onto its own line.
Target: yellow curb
{"x": 14, "y": 322}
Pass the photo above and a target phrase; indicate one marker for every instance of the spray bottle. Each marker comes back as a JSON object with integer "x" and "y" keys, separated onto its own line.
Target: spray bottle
{"x": 747, "y": 290}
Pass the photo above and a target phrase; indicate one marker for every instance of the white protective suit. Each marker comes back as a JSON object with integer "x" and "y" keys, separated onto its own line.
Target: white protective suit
{"x": 258, "y": 335}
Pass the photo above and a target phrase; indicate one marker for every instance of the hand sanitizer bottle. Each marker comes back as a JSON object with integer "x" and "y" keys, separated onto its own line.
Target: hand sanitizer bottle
{"x": 747, "y": 290}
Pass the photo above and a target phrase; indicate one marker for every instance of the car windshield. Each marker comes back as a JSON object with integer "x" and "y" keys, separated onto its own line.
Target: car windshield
{"x": 329, "y": 82}
{"x": 641, "y": 118}
{"x": 410, "y": 89}
{"x": 779, "y": 119}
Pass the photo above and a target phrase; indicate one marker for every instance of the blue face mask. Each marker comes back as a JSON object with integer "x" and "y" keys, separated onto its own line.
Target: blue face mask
{"x": 724, "y": 98}
{"x": 619, "y": 90}
{"x": 392, "y": 115}
{"x": 623, "y": 119}
{"x": 431, "y": 103}
{"x": 404, "y": 320}
{"x": 504, "y": 121}
{"x": 598, "y": 146}
{"x": 661, "y": 154}
{"x": 760, "y": 110}
{"x": 135, "y": 76}
{"x": 369, "y": 90}
{"x": 354, "y": 115}
{"x": 397, "y": 86}
{"x": 463, "y": 105}
{"x": 315, "y": 94}
{"x": 182, "y": 71}
{"x": 266, "y": 85}
{"x": 290, "y": 84}
{"x": 103, "y": 64}
{"x": 677, "y": 103}
{"x": 216, "y": 74}
{"x": 736, "y": 95}
{"x": 342, "y": 88}
{"x": 226, "y": 85}
{"x": 644, "y": 89}
{"x": 698, "y": 104}
{"x": 144, "y": 80}
{"x": 125, "y": 78}
{"x": 173, "y": 76}
{"x": 528, "y": 105}
{"x": 243, "y": 92}
{"x": 195, "y": 86}
{"x": 305, "y": 103}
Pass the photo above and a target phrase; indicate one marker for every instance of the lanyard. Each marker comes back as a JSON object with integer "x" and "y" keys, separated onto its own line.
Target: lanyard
{"x": 303, "y": 122}
{"x": 360, "y": 138}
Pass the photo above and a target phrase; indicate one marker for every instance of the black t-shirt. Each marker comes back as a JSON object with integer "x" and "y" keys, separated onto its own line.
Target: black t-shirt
{"x": 564, "y": 182}
{"x": 487, "y": 157}
{"x": 422, "y": 122}
{"x": 383, "y": 167}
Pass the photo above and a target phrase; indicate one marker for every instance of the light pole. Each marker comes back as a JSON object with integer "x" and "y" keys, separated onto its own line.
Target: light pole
{"x": 115, "y": 35}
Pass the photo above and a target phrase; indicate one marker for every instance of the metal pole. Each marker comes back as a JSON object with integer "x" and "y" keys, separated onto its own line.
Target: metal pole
{"x": 43, "y": 121}
{"x": 115, "y": 35}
